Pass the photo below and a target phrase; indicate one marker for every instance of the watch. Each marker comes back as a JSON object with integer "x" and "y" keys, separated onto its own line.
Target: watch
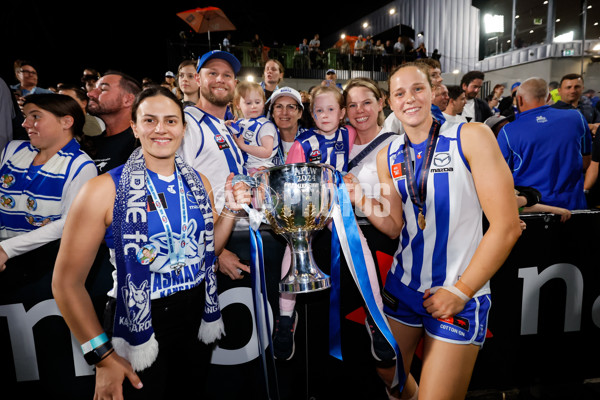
{"x": 96, "y": 355}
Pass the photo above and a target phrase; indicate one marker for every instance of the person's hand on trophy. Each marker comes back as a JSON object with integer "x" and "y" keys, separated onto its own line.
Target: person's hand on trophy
{"x": 235, "y": 196}
{"x": 354, "y": 189}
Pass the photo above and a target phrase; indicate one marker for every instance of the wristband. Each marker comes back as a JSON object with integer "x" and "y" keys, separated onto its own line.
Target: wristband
{"x": 99, "y": 353}
{"x": 230, "y": 210}
{"x": 464, "y": 288}
{"x": 94, "y": 343}
{"x": 457, "y": 292}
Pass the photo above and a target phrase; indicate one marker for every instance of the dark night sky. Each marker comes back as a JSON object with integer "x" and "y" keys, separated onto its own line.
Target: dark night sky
{"x": 138, "y": 37}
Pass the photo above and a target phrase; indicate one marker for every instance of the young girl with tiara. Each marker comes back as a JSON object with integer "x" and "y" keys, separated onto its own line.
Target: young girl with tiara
{"x": 257, "y": 136}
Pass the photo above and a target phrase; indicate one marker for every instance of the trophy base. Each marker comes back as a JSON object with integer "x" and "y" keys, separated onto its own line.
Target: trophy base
{"x": 312, "y": 285}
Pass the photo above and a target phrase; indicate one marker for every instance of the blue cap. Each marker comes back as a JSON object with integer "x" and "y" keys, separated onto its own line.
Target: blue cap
{"x": 515, "y": 85}
{"x": 223, "y": 55}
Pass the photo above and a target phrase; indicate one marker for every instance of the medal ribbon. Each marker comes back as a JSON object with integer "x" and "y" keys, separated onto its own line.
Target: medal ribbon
{"x": 177, "y": 257}
{"x": 419, "y": 194}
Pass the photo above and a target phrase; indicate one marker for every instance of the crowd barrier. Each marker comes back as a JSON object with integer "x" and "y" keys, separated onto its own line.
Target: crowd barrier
{"x": 543, "y": 327}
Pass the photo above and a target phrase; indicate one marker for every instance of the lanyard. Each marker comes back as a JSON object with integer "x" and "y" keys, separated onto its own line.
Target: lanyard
{"x": 176, "y": 257}
{"x": 418, "y": 194}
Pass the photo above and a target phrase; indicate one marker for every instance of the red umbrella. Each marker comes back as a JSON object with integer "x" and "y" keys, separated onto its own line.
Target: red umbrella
{"x": 206, "y": 20}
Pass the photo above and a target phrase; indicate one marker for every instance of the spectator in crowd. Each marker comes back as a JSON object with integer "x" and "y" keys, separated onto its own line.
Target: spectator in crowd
{"x": 440, "y": 100}
{"x": 303, "y": 48}
{"x": 508, "y": 105}
{"x": 476, "y": 109}
{"x": 331, "y": 79}
{"x": 386, "y": 104}
{"x": 314, "y": 47}
{"x": 399, "y": 51}
{"x": 552, "y": 166}
{"x": 208, "y": 145}
{"x": 89, "y": 79}
{"x": 303, "y": 54}
{"x": 345, "y": 53}
{"x": 257, "y": 137}
{"x": 93, "y": 125}
{"x": 286, "y": 107}
{"x": 186, "y": 74}
{"x": 227, "y": 43}
{"x": 272, "y": 76}
{"x": 257, "y": 50}
{"x": 456, "y": 103}
{"x": 553, "y": 88}
{"x": 359, "y": 51}
{"x": 171, "y": 81}
{"x": 492, "y": 101}
{"x": 111, "y": 101}
{"x": 388, "y": 56}
{"x": 27, "y": 76}
{"x": 436, "y": 55}
{"x": 306, "y": 121}
{"x": 498, "y": 91}
{"x": 570, "y": 90}
{"x": 41, "y": 176}
{"x": 592, "y": 96}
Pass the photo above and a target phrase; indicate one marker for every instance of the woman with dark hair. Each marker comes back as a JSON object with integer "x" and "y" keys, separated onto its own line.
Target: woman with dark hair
{"x": 156, "y": 214}
{"x": 40, "y": 177}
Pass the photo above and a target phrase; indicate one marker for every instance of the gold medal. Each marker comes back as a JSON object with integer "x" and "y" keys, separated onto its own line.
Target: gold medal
{"x": 421, "y": 220}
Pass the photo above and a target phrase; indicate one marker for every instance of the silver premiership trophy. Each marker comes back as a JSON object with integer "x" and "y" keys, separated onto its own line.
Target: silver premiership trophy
{"x": 297, "y": 200}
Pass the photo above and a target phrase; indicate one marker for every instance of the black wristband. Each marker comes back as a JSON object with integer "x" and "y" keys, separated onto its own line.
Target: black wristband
{"x": 532, "y": 195}
{"x": 96, "y": 355}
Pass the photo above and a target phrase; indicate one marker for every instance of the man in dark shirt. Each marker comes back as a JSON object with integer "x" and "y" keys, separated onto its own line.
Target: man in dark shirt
{"x": 111, "y": 101}
{"x": 476, "y": 110}
{"x": 570, "y": 91}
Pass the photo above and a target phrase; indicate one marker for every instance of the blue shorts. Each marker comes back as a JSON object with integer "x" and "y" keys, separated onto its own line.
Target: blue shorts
{"x": 405, "y": 305}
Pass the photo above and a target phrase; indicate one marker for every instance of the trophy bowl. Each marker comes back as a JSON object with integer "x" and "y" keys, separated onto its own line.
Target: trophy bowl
{"x": 297, "y": 200}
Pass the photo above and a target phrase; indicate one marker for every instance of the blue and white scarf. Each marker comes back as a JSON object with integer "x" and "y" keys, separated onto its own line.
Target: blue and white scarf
{"x": 133, "y": 336}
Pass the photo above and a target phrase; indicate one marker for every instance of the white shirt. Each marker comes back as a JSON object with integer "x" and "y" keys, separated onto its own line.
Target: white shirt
{"x": 469, "y": 110}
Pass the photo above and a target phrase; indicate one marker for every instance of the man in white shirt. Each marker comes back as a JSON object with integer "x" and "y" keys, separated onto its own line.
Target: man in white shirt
{"x": 455, "y": 104}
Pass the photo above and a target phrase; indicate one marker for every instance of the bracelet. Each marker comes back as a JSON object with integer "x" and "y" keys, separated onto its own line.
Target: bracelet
{"x": 230, "y": 210}
{"x": 463, "y": 287}
{"x": 94, "y": 343}
{"x": 107, "y": 354}
{"x": 99, "y": 353}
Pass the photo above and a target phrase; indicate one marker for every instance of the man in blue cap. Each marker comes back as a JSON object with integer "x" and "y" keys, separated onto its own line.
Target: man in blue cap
{"x": 208, "y": 145}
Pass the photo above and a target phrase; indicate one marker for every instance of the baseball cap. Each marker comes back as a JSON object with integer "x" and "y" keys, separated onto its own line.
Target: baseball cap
{"x": 223, "y": 55}
{"x": 170, "y": 74}
{"x": 286, "y": 91}
{"x": 330, "y": 71}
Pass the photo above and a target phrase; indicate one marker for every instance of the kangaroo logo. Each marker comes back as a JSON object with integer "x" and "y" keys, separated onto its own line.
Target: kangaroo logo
{"x": 137, "y": 301}
{"x": 193, "y": 250}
